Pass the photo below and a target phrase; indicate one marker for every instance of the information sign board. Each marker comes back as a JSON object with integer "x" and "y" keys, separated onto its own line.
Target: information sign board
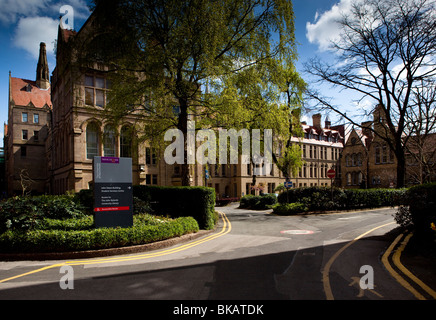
{"x": 113, "y": 194}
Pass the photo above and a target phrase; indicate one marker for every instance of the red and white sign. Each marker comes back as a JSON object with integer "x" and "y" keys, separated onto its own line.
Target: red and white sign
{"x": 101, "y": 209}
{"x": 331, "y": 174}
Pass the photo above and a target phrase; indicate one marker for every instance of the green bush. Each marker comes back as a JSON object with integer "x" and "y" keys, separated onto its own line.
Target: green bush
{"x": 421, "y": 202}
{"x": 261, "y": 202}
{"x": 196, "y": 202}
{"x": 287, "y": 209}
{"x": 27, "y": 212}
{"x": 320, "y": 198}
{"x": 78, "y": 234}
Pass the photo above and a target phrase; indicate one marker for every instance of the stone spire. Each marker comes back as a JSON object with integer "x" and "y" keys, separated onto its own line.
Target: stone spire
{"x": 42, "y": 73}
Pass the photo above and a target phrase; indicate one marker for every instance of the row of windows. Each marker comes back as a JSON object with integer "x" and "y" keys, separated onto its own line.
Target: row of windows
{"x": 311, "y": 152}
{"x": 25, "y": 135}
{"x": 312, "y": 171}
{"x": 353, "y": 160}
{"x": 25, "y": 117}
{"x": 330, "y": 138}
{"x": 93, "y": 143}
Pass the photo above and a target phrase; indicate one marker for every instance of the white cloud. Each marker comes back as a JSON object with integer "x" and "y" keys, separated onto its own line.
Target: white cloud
{"x": 11, "y": 10}
{"x": 31, "y": 31}
{"x": 38, "y": 21}
{"x": 326, "y": 29}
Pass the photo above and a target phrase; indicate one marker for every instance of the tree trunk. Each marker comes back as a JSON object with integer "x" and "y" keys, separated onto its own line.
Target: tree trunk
{"x": 401, "y": 170}
{"x": 183, "y": 126}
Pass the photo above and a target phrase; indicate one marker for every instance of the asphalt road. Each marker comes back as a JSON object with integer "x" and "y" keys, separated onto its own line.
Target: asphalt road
{"x": 253, "y": 255}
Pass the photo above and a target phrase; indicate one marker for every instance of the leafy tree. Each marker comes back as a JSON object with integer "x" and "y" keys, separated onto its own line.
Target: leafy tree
{"x": 225, "y": 64}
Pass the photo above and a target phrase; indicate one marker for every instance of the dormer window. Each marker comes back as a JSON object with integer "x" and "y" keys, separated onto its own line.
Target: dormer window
{"x": 29, "y": 88}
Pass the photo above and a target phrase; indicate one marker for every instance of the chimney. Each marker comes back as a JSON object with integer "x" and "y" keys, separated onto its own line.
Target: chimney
{"x": 42, "y": 72}
{"x": 366, "y": 128}
{"x": 327, "y": 123}
{"x": 316, "y": 118}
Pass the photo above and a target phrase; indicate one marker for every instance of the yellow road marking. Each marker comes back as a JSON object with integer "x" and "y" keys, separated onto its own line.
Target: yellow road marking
{"x": 396, "y": 258}
{"x": 395, "y": 274}
{"x": 326, "y": 270}
{"x": 227, "y": 227}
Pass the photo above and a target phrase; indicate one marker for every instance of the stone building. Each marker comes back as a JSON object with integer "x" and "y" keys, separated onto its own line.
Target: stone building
{"x": 367, "y": 160}
{"x": 26, "y": 134}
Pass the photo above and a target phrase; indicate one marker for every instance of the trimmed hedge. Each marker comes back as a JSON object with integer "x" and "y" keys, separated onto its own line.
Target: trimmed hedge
{"x": 288, "y": 209}
{"x": 261, "y": 202}
{"x": 78, "y": 235}
{"x": 320, "y": 198}
{"x": 196, "y": 202}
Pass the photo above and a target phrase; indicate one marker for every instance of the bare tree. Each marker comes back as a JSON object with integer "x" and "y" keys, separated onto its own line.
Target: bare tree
{"x": 386, "y": 52}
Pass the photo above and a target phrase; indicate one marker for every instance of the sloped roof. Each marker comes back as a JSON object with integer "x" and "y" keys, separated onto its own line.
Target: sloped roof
{"x": 24, "y": 92}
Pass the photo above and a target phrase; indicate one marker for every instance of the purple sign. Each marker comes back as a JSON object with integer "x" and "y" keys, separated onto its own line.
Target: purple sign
{"x": 110, "y": 160}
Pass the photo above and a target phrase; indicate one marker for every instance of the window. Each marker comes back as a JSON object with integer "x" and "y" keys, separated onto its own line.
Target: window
{"x": 92, "y": 141}
{"x": 377, "y": 154}
{"x": 359, "y": 159}
{"x": 150, "y": 156}
{"x": 348, "y": 179}
{"x": 24, "y": 134}
{"x": 109, "y": 142}
{"x": 126, "y": 142}
{"x": 304, "y": 151}
{"x": 24, "y": 117}
{"x": 35, "y": 118}
{"x": 154, "y": 179}
{"x": 95, "y": 91}
{"x": 36, "y": 135}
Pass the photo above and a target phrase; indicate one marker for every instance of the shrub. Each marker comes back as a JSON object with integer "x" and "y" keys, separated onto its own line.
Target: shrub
{"x": 320, "y": 198}
{"x": 27, "y": 212}
{"x": 421, "y": 201}
{"x": 77, "y": 235}
{"x": 287, "y": 209}
{"x": 261, "y": 202}
{"x": 196, "y": 202}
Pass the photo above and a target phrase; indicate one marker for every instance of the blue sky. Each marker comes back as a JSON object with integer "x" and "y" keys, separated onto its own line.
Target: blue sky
{"x": 26, "y": 23}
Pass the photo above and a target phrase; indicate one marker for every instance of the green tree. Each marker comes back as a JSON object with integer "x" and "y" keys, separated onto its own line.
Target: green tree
{"x": 221, "y": 63}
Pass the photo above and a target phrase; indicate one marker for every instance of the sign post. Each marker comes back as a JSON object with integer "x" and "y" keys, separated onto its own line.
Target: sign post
{"x": 331, "y": 174}
{"x": 113, "y": 194}
{"x": 287, "y": 185}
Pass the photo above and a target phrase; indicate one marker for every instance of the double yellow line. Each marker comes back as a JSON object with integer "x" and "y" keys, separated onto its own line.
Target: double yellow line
{"x": 396, "y": 258}
{"x": 385, "y": 260}
{"x": 227, "y": 227}
{"x": 326, "y": 270}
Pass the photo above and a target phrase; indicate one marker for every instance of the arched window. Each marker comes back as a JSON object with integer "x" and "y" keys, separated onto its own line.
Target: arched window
{"x": 92, "y": 140}
{"x": 126, "y": 135}
{"x": 377, "y": 149}
{"x": 348, "y": 179}
{"x": 359, "y": 159}
{"x": 109, "y": 144}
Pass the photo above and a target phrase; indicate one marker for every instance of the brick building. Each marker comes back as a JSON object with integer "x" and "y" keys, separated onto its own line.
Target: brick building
{"x": 26, "y": 134}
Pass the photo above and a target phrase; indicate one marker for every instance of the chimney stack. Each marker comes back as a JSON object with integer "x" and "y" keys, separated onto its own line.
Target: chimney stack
{"x": 316, "y": 118}
{"x": 366, "y": 128}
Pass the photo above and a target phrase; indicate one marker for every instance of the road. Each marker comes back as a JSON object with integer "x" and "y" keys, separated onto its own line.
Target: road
{"x": 253, "y": 255}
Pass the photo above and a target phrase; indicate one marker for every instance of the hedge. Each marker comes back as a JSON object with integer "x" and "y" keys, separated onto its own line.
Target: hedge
{"x": 53, "y": 236}
{"x": 261, "y": 202}
{"x": 196, "y": 202}
{"x": 320, "y": 198}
